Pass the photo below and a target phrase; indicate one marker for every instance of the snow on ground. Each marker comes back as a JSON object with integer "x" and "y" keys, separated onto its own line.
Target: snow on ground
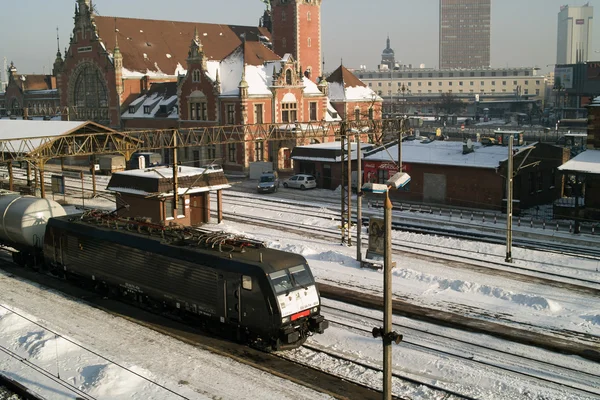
{"x": 426, "y": 283}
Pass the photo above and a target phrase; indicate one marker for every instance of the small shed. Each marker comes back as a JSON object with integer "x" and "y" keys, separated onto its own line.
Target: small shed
{"x": 469, "y": 174}
{"x": 324, "y": 161}
{"x": 581, "y": 199}
{"x": 149, "y": 193}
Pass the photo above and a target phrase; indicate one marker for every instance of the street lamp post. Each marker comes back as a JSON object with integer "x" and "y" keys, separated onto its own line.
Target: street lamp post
{"x": 399, "y": 180}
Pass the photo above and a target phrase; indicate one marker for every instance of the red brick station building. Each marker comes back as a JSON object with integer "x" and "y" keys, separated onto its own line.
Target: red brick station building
{"x": 129, "y": 73}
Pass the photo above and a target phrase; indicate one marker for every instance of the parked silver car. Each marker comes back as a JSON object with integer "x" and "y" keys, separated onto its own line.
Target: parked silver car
{"x": 268, "y": 182}
{"x": 301, "y": 181}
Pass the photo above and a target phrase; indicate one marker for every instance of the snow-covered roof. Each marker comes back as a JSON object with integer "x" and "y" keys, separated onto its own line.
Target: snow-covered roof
{"x": 165, "y": 172}
{"x": 445, "y": 153}
{"x": 160, "y": 94}
{"x": 586, "y": 162}
{"x": 326, "y": 152}
{"x": 595, "y": 102}
{"x": 259, "y": 76}
{"x": 19, "y": 129}
{"x": 345, "y": 86}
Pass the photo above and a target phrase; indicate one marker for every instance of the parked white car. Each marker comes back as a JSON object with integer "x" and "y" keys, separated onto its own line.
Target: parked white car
{"x": 301, "y": 181}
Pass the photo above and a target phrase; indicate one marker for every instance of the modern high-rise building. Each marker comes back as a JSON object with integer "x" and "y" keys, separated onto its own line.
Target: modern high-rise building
{"x": 465, "y": 33}
{"x": 574, "y": 39}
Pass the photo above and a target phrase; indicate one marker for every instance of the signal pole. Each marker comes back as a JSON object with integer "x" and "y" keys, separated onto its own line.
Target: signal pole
{"x": 358, "y": 199}
{"x": 509, "y": 200}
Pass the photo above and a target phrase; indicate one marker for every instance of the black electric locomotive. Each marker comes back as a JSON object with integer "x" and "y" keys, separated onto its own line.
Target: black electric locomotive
{"x": 268, "y": 297}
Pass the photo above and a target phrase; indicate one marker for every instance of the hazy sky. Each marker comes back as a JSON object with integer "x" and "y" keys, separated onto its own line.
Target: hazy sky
{"x": 523, "y": 31}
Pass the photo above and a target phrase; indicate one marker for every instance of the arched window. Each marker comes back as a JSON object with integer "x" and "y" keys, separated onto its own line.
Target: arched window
{"x": 90, "y": 90}
{"x": 196, "y": 76}
{"x": 288, "y": 77}
{"x": 15, "y": 107}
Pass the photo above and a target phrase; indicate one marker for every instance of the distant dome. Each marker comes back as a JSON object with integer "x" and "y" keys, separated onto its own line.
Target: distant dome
{"x": 388, "y": 51}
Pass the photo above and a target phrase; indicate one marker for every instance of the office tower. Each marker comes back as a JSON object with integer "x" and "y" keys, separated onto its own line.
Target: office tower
{"x": 465, "y": 33}
{"x": 574, "y": 39}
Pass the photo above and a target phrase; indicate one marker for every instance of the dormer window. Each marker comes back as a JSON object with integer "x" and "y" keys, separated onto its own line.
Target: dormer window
{"x": 146, "y": 109}
{"x": 196, "y": 76}
{"x": 288, "y": 77}
{"x": 131, "y": 110}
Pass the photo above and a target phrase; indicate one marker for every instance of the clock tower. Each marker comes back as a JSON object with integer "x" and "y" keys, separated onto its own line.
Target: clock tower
{"x": 296, "y": 30}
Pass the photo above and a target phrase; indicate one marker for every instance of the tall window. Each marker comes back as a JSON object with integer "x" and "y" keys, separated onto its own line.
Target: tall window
{"x": 231, "y": 114}
{"x": 308, "y": 16}
{"x": 258, "y": 113}
{"x": 283, "y": 43}
{"x": 288, "y": 77}
{"x": 283, "y": 16}
{"x": 309, "y": 42}
{"x": 89, "y": 90}
{"x": 211, "y": 152}
{"x": 259, "y": 148}
{"x": 169, "y": 207}
{"x": 357, "y": 114}
{"x": 232, "y": 152}
{"x": 196, "y": 76}
{"x": 199, "y": 110}
{"x": 288, "y": 112}
{"x": 313, "y": 111}
{"x": 371, "y": 112}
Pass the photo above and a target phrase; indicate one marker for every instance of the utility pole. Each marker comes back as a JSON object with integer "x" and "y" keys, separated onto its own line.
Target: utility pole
{"x": 175, "y": 183}
{"x": 358, "y": 199}
{"x": 400, "y": 131}
{"x": 387, "y": 301}
{"x": 349, "y": 188}
{"x": 509, "y": 200}
{"x": 344, "y": 201}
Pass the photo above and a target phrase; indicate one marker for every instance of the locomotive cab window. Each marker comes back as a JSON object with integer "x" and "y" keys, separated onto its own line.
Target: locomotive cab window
{"x": 282, "y": 281}
{"x": 295, "y": 278}
{"x": 301, "y": 276}
{"x": 247, "y": 282}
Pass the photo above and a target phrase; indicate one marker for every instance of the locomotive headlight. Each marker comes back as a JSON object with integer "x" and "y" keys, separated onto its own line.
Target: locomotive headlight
{"x": 285, "y": 320}
{"x": 315, "y": 309}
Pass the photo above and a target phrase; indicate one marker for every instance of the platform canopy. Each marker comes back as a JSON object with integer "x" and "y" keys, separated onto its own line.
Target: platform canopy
{"x": 27, "y": 139}
{"x": 587, "y": 162}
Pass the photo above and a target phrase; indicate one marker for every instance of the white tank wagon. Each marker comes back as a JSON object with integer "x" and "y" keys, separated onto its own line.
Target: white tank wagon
{"x": 23, "y": 222}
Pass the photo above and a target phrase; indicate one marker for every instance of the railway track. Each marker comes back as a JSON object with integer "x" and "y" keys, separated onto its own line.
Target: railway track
{"x": 321, "y": 211}
{"x": 504, "y": 269}
{"x": 304, "y": 375}
{"x": 478, "y": 355}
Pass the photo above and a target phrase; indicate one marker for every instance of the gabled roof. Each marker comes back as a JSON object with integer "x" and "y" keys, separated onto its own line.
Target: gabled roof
{"x": 256, "y": 53}
{"x": 160, "y": 94}
{"x": 162, "y": 46}
{"x": 327, "y": 152}
{"x": 37, "y": 82}
{"x": 158, "y": 181}
{"x": 345, "y": 86}
{"x": 345, "y": 77}
{"x": 443, "y": 153}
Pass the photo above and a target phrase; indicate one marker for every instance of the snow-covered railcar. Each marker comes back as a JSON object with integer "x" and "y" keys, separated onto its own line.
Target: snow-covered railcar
{"x": 266, "y": 296}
